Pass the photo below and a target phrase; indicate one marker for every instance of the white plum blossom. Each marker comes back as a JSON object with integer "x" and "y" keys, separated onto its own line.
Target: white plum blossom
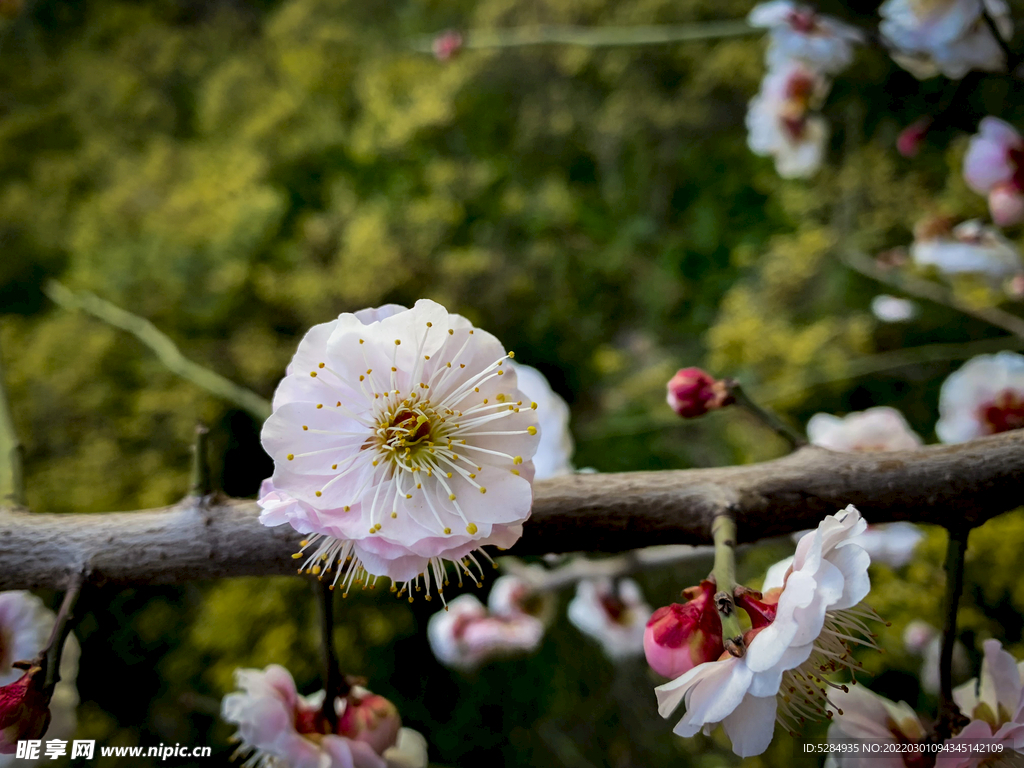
{"x": 554, "y": 451}
{"x": 922, "y": 639}
{"x": 25, "y": 626}
{"x": 278, "y": 728}
{"x": 864, "y": 715}
{"x": 893, "y": 309}
{"x": 512, "y": 596}
{"x": 994, "y": 166}
{"x": 950, "y": 37}
{"x": 891, "y": 543}
{"x": 984, "y": 397}
{"x": 801, "y": 630}
{"x": 613, "y": 614}
{"x": 877, "y": 429}
{"x": 781, "y": 123}
{"x": 400, "y": 441}
{"x": 798, "y": 32}
{"x": 968, "y": 248}
{"x": 467, "y": 635}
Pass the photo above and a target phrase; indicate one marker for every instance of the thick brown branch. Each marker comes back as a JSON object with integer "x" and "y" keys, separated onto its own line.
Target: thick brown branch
{"x": 942, "y": 485}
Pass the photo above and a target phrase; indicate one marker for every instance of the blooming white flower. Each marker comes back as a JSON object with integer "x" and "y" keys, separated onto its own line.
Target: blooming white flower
{"x": 467, "y": 635}
{"x": 512, "y": 596}
{"x": 797, "y": 32}
{"x": 984, "y": 397}
{"x": 25, "y": 626}
{"x": 802, "y": 629}
{"x": 892, "y": 309}
{"x": 945, "y": 36}
{"x": 613, "y": 614}
{"x": 278, "y": 728}
{"x": 862, "y": 714}
{"x": 400, "y": 441}
{"x": 994, "y": 166}
{"x": 968, "y": 248}
{"x": 780, "y": 122}
{"x": 877, "y": 429}
{"x": 555, "y": 449}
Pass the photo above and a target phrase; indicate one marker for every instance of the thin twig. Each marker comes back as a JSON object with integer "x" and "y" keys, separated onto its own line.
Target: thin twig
{"x": 723, "y": 530}
{"x": 62, "y": 626}
{"x": 950, "y": 719}
{"x": 201, "y": 484}
{"x": 12, "y": 478}
{"x": 334, "y": 682}
{"x": 766, "y": 417}
{"x": 166, "y": 350}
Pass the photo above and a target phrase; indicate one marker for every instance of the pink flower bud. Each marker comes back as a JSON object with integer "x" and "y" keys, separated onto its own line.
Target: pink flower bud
{"x": 447, "y": 44}
{"x": 679, "y": 637}
{"x": 910, "y": 139}
{"x": 692, "y": 393}
{"x": 1006, "y": 203}
{"x": 371, "y": 719}
{"x": 24, "y": 710}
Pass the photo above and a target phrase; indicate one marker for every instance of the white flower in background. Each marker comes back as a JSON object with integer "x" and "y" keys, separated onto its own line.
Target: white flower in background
{"x": 554, "y": 451}
{"x": 798, "y": 32}
{"x": 891, "y": 543}
{"x": 984, "y": 397}
{"x": 994, "y": 166}
{"x": 995, "y": 703}
{"x": 466, "y": 635}
{"x": 877, "y": 429}
{"x": 892, "y": 309}
{"x": 512, "y": 596}
{"x": 968, "y": 248}
{"x": 400, "y": 441}
{"x": 25, "y": 626}
{"x": 781, "y": 123}
{"x": 863, "y": 715}
{"x": 613, "y": 614}
{"x": 922, "y": 639}
{"x": 278, "y": 728}
{"x": 801, "y": 630}
{"x": 945, "y": 36}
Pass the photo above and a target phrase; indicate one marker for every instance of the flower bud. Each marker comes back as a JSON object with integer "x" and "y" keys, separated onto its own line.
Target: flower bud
{"x": 679, "y": 637}
{"x": 1006, "y": 204}
{"x": 692, "y": 393}
{"x": 24, "y": 710}
{"x": 446, "y": 45}
{"x": 371, "y": 719}
{"x": 908, "y": 143}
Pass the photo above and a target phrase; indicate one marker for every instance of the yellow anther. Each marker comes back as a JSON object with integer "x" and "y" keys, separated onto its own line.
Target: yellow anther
{"x": 375, "y": 462}
{"x": 334, "y": 466}
{"x": 418, "y": 485}
{"x": 319, "y": 494}
{"x": 304, "y": 543}
{"x": 426, "y": 357}
{"x": 408, "y": 495}
{"x": 377, "y": 526}
{"x": 501, "y": 373}
{"x": 446, "y": 530}
{"x": 321, "y": 365}
{"x": 296, "y": 556}
{"x": 472, "y": 475}
{"x": 316, "y": 569}
{"x": 313, "y": 374}
{"x": 451, "y": 496}
{"x": 373, "y": 529}
{"x": 429, "y": 324}
{"x": 360, "y": 341}
{"x": 319, "y": 406}
{"x": 450, "y": 332}
{"x": 448, "y": 364}
{"x": 305, "y": 428}
{"x": 532, "y": 430}
{"x": 393, "y": 369}
{"x": 361, "y": 377}
{"x": 291, "y": 457}
{"x": 517, "y": 460}
{"x": 483, "y": 490}
{"x": 511, "y": 353}
{"x": 394, "y": 515}
{"x": 471, "y": 529}
{"x": 346, "y": 508}
{"x": 397, "y": 342}
{"x": 449, "y": 474}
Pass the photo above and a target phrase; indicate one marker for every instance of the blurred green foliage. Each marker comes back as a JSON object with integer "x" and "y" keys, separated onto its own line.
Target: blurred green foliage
{"x": 237, "y": 172}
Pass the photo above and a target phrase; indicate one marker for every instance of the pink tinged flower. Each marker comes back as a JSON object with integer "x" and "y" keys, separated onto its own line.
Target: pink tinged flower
{"x": 446, "y": 45}
{"x": 864, "y": 715}
{"x": 555, "y": 449}
{"x": 512, "y": 596}
{"x": 798, "y": 32}
{"x": 692, "y": 393}
{"x": 984, "y": 397}
{"x": 24, "y": 710}
{"x": 679, "y": 637}
{"x": 908, "y": 143}
{"x": 400, "y": 441}
{"x": 278, "y": 726}
{"x": 968, "y": 248}
{"x": 615, "y": 615}
{"x": 466, "y": 635}
{"x": 816, "y": 618}
{"x": 994, "y": 166}
{"x": 781, "y": 123}
{"x": 877, "y": 429}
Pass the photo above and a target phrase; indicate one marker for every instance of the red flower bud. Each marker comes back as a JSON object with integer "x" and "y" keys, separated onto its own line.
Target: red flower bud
{"x": 679, "y": 637}
{"x": 24, "y": 710}
{"x": 371, "y": 719}
{"x": 760, "y": 608}
{"x": 692, "y": 393}
{"x": 908, "y": 143}
{"x": 446, "y": 45}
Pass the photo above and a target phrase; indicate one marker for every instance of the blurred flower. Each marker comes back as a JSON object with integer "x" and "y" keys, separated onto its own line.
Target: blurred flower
{"x": 798, "y": 32}
{"x": 512, "y": 596}
{"x": 908, "y": 143}
{"x": 968, "y": 248}
{"x": 780, "y": 121}
{"x": 393, "y": 428}
{"x": 692, "y": 393}
{"x": 922, "y": 639}
{"x": 447, "y": 44}
{"x": 994, "y": 166}
{"x": 554, "y": 451}
{"x": 984, "y": 397}
{"x": 614, "y": 614}
{"x": 801, "y": 628}
{"x": 946, "y": 36}
{"x": 24, "y": 710}
{"x": 862, "y": 714}
{"x": 892, "y": 309}
{"x": 466, "y": 635}
{"x": 891, "y": 543}
{"x": 877, "y": 429}
{"x": 278, "y": 727}
{"x": 994, "y": 701}
{"x": 679, "y": 637}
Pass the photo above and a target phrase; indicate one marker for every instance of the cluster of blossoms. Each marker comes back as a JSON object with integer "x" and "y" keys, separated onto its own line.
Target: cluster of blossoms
{"x": 968, "y": 248}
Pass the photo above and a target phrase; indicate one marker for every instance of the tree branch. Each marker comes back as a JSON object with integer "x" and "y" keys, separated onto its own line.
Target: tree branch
{"x": 941, "y": 484}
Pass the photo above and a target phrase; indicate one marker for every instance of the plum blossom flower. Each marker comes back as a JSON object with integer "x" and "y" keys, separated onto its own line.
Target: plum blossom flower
{"x": 798, "y": 32}
{"x": 891, "y": 543}
{"x": 995, "y": 703}
{"x": 781, "y": 122}
{"x": 950, "y": 37}
{"x": 446, "y": 45}
{"x": 400, "y": 441}
{"x": 555, "y": 449}
{"x": 862, "y": 714}
{"x": 968, "y": 248}
{"x": 678, "y": 637}
{"x": 278, "y": 728}
{"x": 922, "y": 639}
{"x": 613, "y": 614}
{"x": 892, "y": 309}
{"x": 984, "y": 397}
{"x": 467, "y": 635}
{"x": 801, "y": 629}
{"x": 994, "y": 166}
{"x": 693, "y": 392}
{"x": 877, "y": 429}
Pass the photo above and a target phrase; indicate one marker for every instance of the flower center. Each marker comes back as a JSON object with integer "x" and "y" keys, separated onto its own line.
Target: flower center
{"x": 1004, "y": 412}
{"x": 802, "y": 21}
{"x": 405, "y": 434}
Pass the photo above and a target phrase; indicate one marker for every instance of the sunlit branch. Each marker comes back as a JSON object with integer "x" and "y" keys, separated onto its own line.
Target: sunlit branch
{"x": 941, "y": 485}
